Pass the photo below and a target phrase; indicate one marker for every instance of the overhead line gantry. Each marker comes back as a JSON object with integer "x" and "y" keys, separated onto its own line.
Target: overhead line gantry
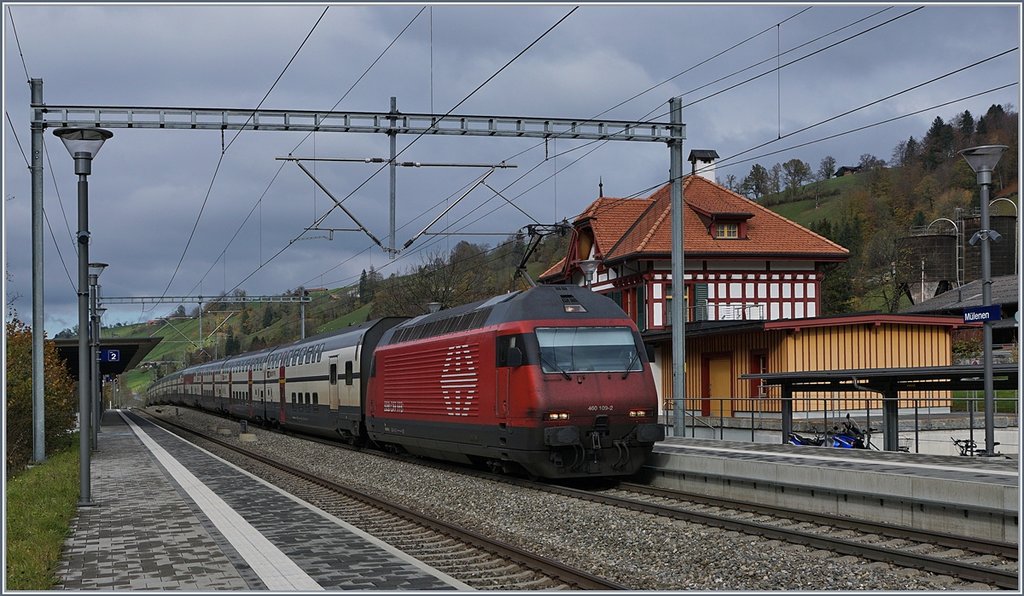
{"x": 391, "y": 123}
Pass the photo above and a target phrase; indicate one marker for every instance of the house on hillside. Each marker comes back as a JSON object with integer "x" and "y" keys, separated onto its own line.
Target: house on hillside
{"x": 847, "y": 171}
{"x": 752, "y": 293}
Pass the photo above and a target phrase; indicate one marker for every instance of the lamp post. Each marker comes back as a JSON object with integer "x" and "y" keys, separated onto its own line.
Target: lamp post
{"x": 983, "y": 160}
{"x": 97, "y": 376}
{"x": 83, "y": 144}
{"x": 95, "y": 269}
{"x": 589, "y": 267}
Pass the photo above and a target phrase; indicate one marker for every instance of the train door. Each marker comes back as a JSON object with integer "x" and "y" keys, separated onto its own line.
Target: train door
{"x": 280, "y": 385}
{"x": 509, "y": 357}
{"x": 248, "y": 393}
{"x": 332, "y": 387}
{"x": 265, "y": 391}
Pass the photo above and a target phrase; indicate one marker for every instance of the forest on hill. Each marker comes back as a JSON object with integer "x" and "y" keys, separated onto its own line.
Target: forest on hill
{"x": 869, "y": 211}
{"x": 866, "y": 212}
{"x": 466, "y": 273}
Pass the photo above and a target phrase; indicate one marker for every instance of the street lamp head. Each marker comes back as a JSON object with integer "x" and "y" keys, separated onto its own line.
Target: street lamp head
{"x": 983, "y": 159}
{"x": 83, "y": 144}
{"x": 83, "y": 140}
{"x": 97, "y": 268}
{"x": 589, "y": 267}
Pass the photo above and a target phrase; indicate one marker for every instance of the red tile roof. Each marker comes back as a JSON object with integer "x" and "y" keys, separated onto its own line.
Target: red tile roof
{"x": 768, "y": 234}
{"x": 641, "y": 228}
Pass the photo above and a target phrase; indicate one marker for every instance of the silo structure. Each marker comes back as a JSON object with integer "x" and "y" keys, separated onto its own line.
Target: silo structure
{"x": 929, "y": 263}
{"x": 1004, "y": 254}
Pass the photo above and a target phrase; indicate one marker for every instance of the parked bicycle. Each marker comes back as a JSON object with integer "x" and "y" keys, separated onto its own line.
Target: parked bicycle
{"x": 969, "y": 447}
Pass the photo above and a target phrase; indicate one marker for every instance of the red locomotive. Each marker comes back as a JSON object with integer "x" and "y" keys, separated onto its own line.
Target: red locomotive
{"x": 553, "y": 381}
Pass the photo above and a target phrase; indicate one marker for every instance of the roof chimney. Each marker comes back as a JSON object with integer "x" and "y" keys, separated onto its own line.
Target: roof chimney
{"x": 707, "y": 158}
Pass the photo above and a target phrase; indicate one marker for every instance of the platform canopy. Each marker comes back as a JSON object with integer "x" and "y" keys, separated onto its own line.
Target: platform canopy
{"x": 130, "y": 352}
{"x": 888, "y": 382}
{"x": 964, "y": 377}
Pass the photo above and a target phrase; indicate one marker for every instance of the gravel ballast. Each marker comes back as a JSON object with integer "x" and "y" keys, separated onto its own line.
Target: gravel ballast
{"x": 642, "y": 551}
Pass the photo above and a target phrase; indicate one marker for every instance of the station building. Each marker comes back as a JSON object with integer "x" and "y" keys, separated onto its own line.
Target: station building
{"x": 752, "y": 298}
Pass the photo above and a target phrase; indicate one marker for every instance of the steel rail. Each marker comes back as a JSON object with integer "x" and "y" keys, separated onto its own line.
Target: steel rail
{"x": 575, "y": 577}
{"x": 967, "y": 571}
{"x": 989, "y": 547}
{"x": 940, "y": 566}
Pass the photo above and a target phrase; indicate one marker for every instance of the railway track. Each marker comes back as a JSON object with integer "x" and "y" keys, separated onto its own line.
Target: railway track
{"x": 478, "y": 561}
{"x": 986, "y": 562}
{"x": 990, "y": 563}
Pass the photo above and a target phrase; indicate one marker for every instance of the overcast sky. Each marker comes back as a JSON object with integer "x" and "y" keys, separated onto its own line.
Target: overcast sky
{"x": 148, "y": 186}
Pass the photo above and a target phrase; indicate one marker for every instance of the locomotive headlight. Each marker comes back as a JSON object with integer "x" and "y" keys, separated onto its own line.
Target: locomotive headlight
{"x": 556, "y": 416}
{"x": 640, "y": 413}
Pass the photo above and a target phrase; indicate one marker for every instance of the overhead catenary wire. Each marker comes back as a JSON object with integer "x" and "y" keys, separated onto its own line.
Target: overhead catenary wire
{"x": 449, "y": 112}
{"x": 46, "y": 218}
{"x": 875, "y": 102}
{"x": 600, "y": 143}
{"x": 220, "y": 159}
{"x": 621, "y": 103}
{"x": 806, "y": 128}
{"x": 60, "y": 201}
{"x": 270, "y": 184}
{"x": 850, "y": 131}
{"x": 559, "y": 154}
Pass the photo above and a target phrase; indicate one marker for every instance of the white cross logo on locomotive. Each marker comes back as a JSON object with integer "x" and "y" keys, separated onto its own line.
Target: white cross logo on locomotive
{"x": 459, "y": 380}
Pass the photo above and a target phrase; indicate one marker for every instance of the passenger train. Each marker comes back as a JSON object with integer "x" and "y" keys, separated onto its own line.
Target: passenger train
{"x": 553, "y": 381}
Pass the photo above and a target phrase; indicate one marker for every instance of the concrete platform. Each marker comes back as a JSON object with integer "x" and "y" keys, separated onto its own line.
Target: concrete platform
{"x": 170, "y": 516}
{"x": 977, "y": 497}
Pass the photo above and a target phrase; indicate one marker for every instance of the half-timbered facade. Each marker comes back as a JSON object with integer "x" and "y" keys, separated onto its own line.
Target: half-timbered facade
{"x": 742, "y": 261}
{"x": 753, "y": 300}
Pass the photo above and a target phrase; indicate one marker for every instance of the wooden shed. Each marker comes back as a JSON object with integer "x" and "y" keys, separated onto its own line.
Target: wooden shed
{"x": 718, "y": 352}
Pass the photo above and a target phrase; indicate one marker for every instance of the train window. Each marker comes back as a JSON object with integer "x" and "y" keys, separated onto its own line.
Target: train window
{"x": 582, "y": 349}
{"x": 307, "y": 398}
{"x": 293, "y": 397}
{"x": 316, "y": 398}
{"x": 504, "y": 344}
{"x": 333, "y": 375}
{"x": 348, "y": 372}
{"x": 305, "y": 357}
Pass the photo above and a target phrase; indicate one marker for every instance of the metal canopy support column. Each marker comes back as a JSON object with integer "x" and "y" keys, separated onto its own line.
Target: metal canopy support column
{"x": 891, "y": 418}
{"x": 787, "y": 411}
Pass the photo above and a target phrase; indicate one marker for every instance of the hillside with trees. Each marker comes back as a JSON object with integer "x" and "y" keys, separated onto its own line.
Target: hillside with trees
{"x": 467, "y": 273}
{"x": 869, "y": 211}
{"x": 866, "y": 212}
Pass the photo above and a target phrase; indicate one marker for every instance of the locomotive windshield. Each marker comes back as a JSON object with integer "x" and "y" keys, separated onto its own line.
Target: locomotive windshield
{"x": 587, "y": 349}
